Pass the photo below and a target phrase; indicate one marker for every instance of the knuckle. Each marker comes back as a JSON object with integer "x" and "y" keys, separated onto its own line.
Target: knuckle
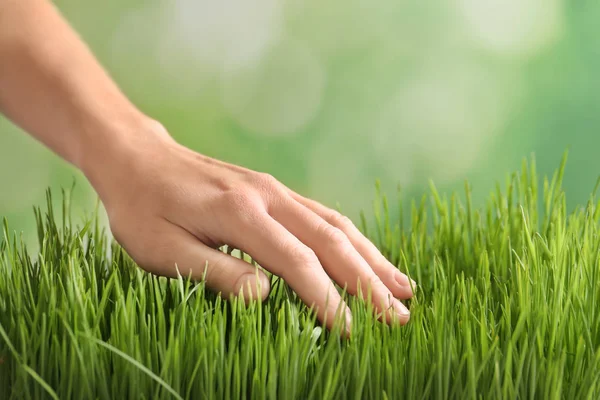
{"x": 334, "y": 236}
{"x": 267, "y": 178}
{"x": 374, "y": 281}
{"x": 265, "y": 181}
{"x": 338, "y": 219}
{"x": 304, "y": 257}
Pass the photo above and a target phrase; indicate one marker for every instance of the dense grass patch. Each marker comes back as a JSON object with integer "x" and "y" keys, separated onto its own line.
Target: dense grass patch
{"x": 507, "y": 307}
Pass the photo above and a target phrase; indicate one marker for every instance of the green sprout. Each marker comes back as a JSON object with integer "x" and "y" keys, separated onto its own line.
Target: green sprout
{"x": 507, "y": 307}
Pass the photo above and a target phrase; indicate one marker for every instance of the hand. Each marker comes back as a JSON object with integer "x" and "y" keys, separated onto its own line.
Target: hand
{"x": 169, "y": 206}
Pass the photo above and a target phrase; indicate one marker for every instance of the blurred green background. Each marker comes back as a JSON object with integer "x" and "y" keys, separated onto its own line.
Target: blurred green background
{"x": 330, "y": 95}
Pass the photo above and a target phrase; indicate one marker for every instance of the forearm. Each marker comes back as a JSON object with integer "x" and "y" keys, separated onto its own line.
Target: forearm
{"x": 52, "y": 86}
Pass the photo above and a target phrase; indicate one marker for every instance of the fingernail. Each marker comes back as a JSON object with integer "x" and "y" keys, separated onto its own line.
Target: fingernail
{"x": 401, "y": 308}
{"x": 404, "y": 280}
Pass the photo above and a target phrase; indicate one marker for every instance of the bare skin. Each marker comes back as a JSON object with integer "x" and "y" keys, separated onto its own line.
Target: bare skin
{"x": 168, "y": 206}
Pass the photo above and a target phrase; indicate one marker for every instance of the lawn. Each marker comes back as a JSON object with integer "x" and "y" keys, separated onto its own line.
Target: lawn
{"x": 507, "y": 307}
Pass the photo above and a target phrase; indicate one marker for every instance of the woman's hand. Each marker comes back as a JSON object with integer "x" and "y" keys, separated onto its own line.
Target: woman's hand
{"x": 168, "y": 206}
{"x": 171, "y": 208}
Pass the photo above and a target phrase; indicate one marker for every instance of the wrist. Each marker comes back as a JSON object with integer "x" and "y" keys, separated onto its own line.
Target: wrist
{"x": 107, "y": 158}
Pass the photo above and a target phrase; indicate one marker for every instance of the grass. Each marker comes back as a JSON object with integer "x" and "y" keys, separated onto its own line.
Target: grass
{"x": 507, "y": 307}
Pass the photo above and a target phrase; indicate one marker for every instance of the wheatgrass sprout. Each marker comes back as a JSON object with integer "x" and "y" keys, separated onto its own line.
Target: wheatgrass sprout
{"x": 507, "y": 307}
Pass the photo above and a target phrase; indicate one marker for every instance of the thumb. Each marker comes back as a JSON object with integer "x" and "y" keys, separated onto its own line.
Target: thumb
{"x": 223, "y": 273}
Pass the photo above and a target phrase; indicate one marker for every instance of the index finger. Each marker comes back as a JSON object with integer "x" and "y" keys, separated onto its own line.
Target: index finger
{"x": 399, "y": 284}
{"x": 280, "y": 252}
